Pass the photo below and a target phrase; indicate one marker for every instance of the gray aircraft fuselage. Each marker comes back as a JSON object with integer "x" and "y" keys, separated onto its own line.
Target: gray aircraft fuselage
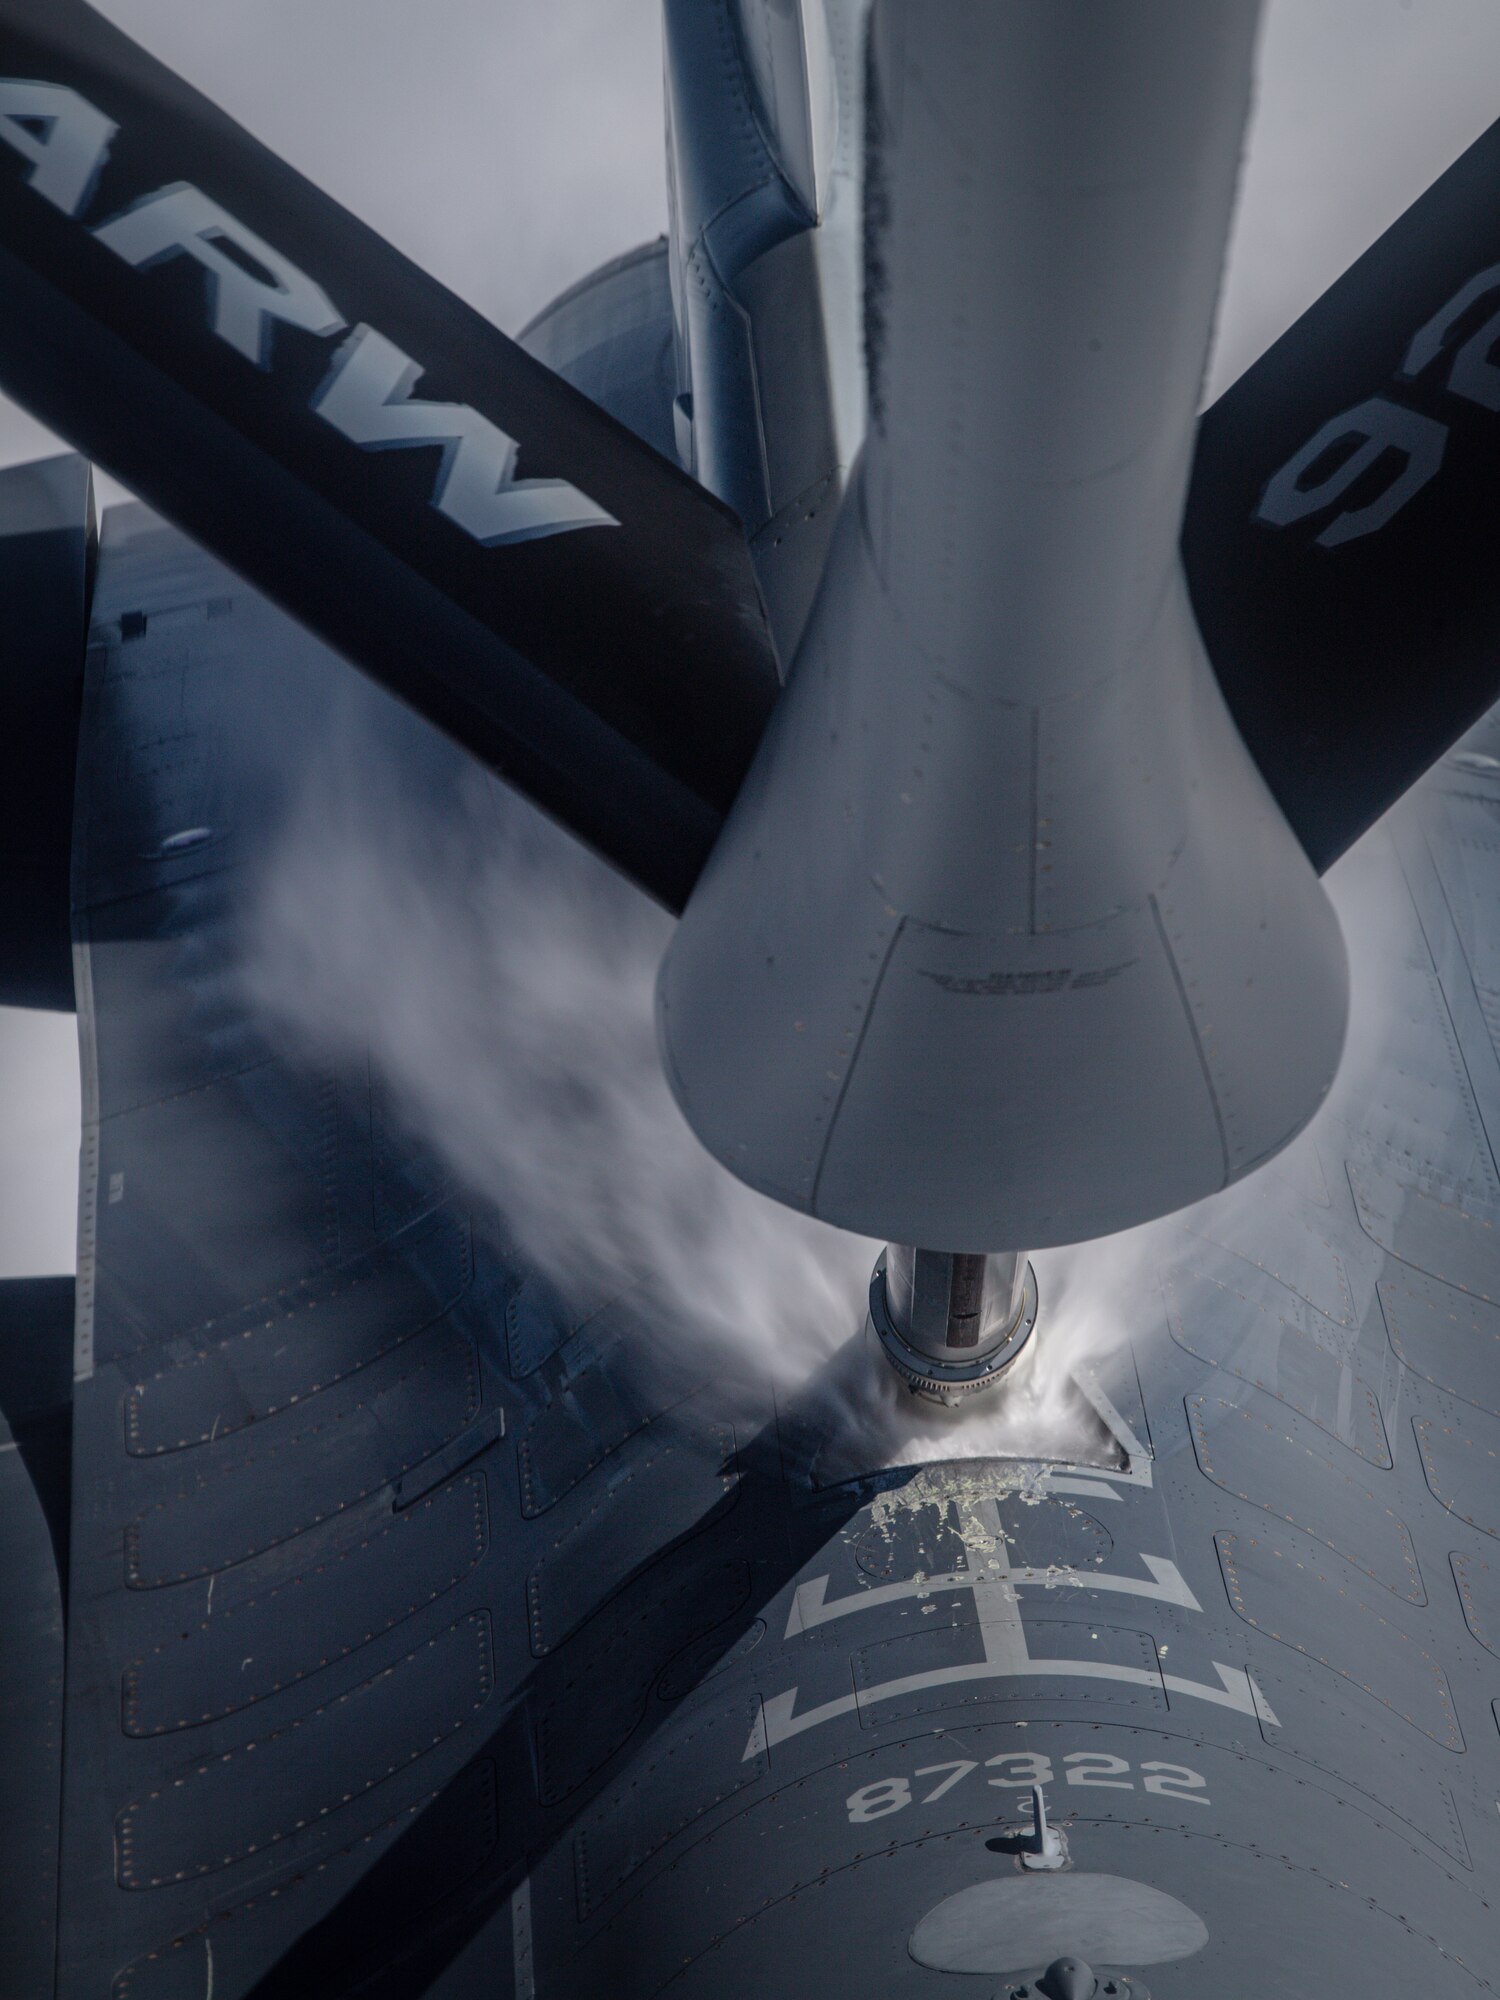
{"x": 430, "y": 1631}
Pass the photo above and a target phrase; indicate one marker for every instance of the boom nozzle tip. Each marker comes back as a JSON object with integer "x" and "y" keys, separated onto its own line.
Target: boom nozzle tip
{"x": 951, "y": 1323}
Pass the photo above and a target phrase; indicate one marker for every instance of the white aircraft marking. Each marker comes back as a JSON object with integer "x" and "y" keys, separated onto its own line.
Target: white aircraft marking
{"x": 810, "y": 1608}
{"x": 1003, "y": 1635}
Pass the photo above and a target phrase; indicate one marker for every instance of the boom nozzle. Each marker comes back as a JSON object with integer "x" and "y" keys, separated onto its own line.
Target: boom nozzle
{"x": 950, "y": 1322}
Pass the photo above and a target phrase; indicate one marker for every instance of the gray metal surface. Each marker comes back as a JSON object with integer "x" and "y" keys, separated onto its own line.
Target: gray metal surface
{"x": 430, "y": 1635}
{"x": 643, "y": 1706}
{"x": 765, "y": 137}
{"x": 1011, "y": 941}
{"x": 254, "y": 1367}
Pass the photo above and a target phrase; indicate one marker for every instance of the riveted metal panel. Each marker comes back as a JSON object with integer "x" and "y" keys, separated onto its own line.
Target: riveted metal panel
{"x": 1307, "y": 1369}
{"x": 685, "y": 1774}
{"x": 285, "y": 1349}
{"x": 1328, "y": 1727}
{"x": 1063, "y": 1661}
{"x": 591, "y": 1411}
{"x": 651, "y": 1496}
{"x": 1455, "y": 1240}
{"x": 1320, "y": 1616}
{"x": 285, "y": 1633}
{"x": 1460, "y": 1454}
{"x": 617, "y": 1658}
{"x": 362, "y": 1434}
{"x": 1267, "y": 1463}
{"x": 1268, "y": 1234}
{"x": 265, "y": 1791}
{"x": 1448, "y": 1337}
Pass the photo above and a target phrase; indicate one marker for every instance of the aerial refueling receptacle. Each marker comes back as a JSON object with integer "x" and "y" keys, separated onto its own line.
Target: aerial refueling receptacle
{"x": 950, "y": 1322}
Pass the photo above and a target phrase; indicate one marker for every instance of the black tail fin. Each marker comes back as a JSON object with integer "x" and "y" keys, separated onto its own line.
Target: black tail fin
{"x": 46, "y": 560}
{"x": 1343, "y": 525}
{"x": 372, "y": 454}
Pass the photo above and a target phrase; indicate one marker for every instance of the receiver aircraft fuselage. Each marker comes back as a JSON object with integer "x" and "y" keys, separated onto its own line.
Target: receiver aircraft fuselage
{"x": 1078, "y": 816}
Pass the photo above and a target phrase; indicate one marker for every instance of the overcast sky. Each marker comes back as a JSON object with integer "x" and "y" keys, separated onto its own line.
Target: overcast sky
{"x": 510, "y": 146}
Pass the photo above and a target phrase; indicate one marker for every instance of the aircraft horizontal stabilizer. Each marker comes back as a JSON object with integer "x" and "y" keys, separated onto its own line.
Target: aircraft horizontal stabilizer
{"x": 355, "y": 441}
{"x": 1344, "y": 513}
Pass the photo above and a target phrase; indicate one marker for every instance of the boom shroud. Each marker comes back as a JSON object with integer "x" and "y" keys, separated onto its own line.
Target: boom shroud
{"x": 1009, "y": 940}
